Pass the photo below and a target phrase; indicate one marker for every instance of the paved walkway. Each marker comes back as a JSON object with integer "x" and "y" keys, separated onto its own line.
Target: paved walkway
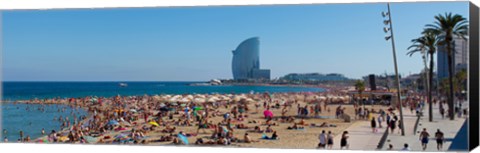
{"x": 450, "y": 128}
{"x": 361, "y": 136}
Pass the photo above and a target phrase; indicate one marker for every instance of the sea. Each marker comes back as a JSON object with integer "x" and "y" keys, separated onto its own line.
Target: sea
{"x": 29, "y": 119}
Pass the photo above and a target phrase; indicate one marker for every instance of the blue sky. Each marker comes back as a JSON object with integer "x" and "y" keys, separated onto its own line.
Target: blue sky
{"x": 195, "y": 43}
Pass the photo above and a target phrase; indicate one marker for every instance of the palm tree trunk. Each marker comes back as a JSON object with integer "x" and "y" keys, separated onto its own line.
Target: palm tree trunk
{"x": 430, "y": 80}
{"x": 451, "y": 111}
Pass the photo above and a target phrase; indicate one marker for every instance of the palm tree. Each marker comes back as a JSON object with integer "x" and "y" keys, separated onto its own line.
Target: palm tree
{"x": 446, "y": 27}
{"x": 360, "y": 87}
{"x": 427, "y": 43}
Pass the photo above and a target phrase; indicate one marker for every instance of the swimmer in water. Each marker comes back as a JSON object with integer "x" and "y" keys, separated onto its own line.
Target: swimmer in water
{"x": 5, "y": 131}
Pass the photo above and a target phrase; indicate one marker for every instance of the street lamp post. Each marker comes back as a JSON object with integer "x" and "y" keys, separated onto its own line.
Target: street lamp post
{"x": 397, "y": 78}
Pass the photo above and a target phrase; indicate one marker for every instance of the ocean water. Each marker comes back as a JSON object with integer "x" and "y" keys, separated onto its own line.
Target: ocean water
{"x": 31, "y": 121}
{"x": 29, "y": 90}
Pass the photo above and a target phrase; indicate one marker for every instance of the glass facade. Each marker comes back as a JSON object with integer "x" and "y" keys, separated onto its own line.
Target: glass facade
{"x": 246, "y": 61}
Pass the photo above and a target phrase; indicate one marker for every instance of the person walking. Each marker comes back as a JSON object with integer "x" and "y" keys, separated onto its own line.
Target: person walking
{"x": 440, "y": 139}
{"x": 380, "y": 120}
{"x": 392, "y": 125}
{"x": 344, "y": 140}
{"x": 424, "y": 138}
{"x": 323, "y": 140}
{"x": 374, "y": 125}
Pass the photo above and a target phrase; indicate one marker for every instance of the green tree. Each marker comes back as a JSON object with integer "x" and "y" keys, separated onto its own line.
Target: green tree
{"x": 446, "y": 27}
{"x": 360, "y": 87}
{"x": 427, "y": 43}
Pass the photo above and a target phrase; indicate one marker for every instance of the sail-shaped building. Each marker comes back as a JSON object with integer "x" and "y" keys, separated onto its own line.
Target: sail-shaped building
{"x": 246, "y": 61}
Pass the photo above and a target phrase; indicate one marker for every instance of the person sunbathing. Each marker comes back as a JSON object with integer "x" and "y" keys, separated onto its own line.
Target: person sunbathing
{"x": 247, "y": 138}
{"x": 169, "y": 130}
{"x": 294, "y": 127}
{"x": 269, "y": 129}
{"x": 242, "y": 126}
{"x": 290, "y": 119}
{"x": 302, "y": 122}
{"x": 273, "y": 137}
{"x": 258, "y": 129}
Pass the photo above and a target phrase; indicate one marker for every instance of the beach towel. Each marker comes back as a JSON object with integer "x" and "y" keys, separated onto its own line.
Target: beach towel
{"x": 183, "y": 139}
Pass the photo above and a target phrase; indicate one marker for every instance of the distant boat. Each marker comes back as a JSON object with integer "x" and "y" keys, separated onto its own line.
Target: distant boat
{"x": 122, "y": 84}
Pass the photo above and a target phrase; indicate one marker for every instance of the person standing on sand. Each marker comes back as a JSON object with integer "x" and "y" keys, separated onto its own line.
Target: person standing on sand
{"x": 424, "y": 138}
{"x": 330, "y": 140}
{"x": 323, "y": 140}
{"x": 343, "y": 140}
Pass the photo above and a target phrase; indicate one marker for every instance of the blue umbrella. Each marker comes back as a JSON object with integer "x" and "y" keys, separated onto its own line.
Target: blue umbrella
{"x": 113, "y": 122}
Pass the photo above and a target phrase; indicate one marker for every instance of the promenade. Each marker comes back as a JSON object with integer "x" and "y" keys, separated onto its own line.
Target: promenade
{"x": 361, "y": 136}
{"x": 450, "y": 128}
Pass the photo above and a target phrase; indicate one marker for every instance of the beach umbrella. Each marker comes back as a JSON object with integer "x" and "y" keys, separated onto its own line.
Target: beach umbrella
{"x": 113, "y": 122}
{"x": 162, "y": 105}
{"x": 183, "y": 105}
{"x": 133, "y": 110}
{"x": 199, "y": 100}
{"x": 184, "y": 100}
{"x": 153, "y": 123}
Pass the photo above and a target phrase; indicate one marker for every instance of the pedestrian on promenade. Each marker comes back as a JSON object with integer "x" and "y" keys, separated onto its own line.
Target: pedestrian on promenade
{"x": 374, "y": 125}
{"x": 380, "y": 120}
{"x": 330, "y": 140}
{"x": 388, "y": 120}
{"x": 323, "y": 140}
{"x": 424, "y": 138}
{"x": 400, "y": 126}
{"x": 343, "y": 140}
{"x": 392, "y": 126}
{"x": 440, "y": 139}
{"x": 442, "y": 112}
